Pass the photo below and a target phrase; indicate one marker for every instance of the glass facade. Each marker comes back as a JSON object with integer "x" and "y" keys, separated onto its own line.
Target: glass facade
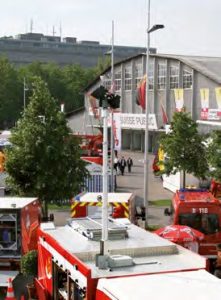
{"x": 187, "y": 79}
{"x": 174, "y": 77}
{"x": 128, "y": 78}
{"x": 117, "y": 81}
{"x": 161, "y": 78}
{"x": 138, "y": 74}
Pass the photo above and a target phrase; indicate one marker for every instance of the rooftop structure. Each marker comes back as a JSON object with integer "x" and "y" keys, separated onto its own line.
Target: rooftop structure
{"x": 29, "y": 47}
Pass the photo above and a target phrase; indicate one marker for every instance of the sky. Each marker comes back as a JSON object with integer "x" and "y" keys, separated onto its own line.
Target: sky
{"x": 192, "y": 27}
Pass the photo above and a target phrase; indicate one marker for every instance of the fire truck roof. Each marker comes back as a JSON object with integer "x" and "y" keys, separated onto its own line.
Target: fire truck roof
{"x": 195, "y": 285}
{"x": 112, "y": 197}
{"x": 150, "y": 253}
{"x": 185, "y": 195}
{"x": 15, "y": 202}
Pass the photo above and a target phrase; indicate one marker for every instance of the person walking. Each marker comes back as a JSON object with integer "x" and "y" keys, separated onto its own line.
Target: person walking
{"x": 123, "y": 164}
{"x": 129, "y": 164}
{"x": 115, "y": 164}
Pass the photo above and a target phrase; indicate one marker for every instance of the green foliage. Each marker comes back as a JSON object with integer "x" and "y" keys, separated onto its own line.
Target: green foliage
{"x": 10, "y": 94}
{"x": 76, "y": 78}
{"x": 102, "y": 64}
{"x": 161, "y": 202}
{"x": 29, "y": 263}
{"x": 44, "y": 159}
{"x": 184, "y": 148}
{"x": 214, "y": 155}
{"x": 65, "y": 84}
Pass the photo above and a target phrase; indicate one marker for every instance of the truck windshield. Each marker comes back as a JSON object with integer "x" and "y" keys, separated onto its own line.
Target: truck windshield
{"x": 206, "y": 223}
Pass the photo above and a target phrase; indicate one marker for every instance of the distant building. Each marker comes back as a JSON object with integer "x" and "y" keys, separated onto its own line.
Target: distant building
{"x": 29, "y": 47}
{"x": 197, "y": 79}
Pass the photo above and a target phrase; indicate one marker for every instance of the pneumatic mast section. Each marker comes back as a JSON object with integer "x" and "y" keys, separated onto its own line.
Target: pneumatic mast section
{"x": 104, "y": 238}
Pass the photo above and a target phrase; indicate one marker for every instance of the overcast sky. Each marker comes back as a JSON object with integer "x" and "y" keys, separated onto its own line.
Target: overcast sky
{"x": 192, "y": 27}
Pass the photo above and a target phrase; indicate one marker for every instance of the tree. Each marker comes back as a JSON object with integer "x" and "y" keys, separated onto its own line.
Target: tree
{"x": 184, "y": 148}
{"x": 214, "y": 155}
{"x": 44, "y": 159}
{"x": 10, "y": 94}
{"x": 76, "y": 79}
{"x": 102, "y": 64}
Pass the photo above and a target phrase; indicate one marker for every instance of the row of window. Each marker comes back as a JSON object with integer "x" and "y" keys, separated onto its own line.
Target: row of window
{"x": 187, "y": 78}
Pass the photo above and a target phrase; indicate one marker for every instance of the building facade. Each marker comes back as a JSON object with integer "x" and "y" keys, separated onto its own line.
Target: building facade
{"x": 26, "y": 48}
{"x": 198, "y": 79}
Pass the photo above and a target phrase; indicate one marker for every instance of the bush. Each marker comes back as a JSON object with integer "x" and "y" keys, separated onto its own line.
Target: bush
{"x": 29, "y": 263}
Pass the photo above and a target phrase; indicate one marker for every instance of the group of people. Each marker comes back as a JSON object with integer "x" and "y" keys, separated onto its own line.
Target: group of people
{"x": 121, "y": 163}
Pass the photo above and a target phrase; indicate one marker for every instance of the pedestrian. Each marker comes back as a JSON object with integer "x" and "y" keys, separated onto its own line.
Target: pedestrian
{"x": 129, "y": 164}
{"x": 115, "y": 163}
{"x": 123, "y": 164}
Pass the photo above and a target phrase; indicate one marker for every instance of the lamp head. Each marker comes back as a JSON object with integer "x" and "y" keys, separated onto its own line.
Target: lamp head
{"x": 155, "y": 27}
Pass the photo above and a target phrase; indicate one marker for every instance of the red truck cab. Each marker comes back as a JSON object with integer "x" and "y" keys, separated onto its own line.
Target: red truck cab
{"x": 199, "y": 209}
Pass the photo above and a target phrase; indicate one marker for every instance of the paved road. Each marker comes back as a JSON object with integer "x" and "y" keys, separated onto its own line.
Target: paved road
{"x": 133, "y": 182}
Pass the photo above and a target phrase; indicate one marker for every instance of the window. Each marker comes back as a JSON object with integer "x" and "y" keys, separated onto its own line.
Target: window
{"x": 117, "y": 81}
{"x": 174, "y": 77}
{"x": 187, "y": 79}
{"x": 161, "y": 79}
{"x": 128, "y": 78}
{"x": 64, "y": 287}
{"x": 206, "y": 223}
{"x": 107, "y": 81}
{"x": 138, "y": 74}
{"x": 8, "y": 232}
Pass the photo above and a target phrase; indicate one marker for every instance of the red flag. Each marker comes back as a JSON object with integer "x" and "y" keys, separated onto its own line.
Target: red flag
{"x": 164, "y": 115}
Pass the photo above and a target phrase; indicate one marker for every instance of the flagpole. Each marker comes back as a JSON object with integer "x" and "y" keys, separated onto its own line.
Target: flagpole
{"x": 113, "y": 91}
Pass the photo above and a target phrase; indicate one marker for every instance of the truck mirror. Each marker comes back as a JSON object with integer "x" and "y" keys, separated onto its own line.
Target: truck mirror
{"x": 167, "y": 212}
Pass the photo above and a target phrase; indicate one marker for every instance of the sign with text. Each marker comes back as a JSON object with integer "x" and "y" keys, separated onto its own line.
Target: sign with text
{"x": 214, "y": 114}
{"x": 137, "y": 121}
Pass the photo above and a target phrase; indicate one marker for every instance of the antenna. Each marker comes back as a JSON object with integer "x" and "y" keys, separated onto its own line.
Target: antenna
{"x": 31, "y": 25}
{"x": 53, "y": 31}
{"x": 60, "y": 30}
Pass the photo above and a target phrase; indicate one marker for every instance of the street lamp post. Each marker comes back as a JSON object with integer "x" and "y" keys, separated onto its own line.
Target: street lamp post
{"x": 146, "y": 161}
{"x": 113, "y": 90}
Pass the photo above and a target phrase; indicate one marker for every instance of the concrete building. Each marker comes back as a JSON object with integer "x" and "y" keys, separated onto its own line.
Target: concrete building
{"x": 197, "y": 78}
{"x": 29, "y": 47}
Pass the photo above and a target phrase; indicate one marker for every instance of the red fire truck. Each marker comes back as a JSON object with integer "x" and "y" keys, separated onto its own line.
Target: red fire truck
{"x": 121, "y": 205}
{"x": 91, "y": 147}
{"x": 199, "y": 209}
{"x": 19, "y": 221}
{"x": 68, "y": 264}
